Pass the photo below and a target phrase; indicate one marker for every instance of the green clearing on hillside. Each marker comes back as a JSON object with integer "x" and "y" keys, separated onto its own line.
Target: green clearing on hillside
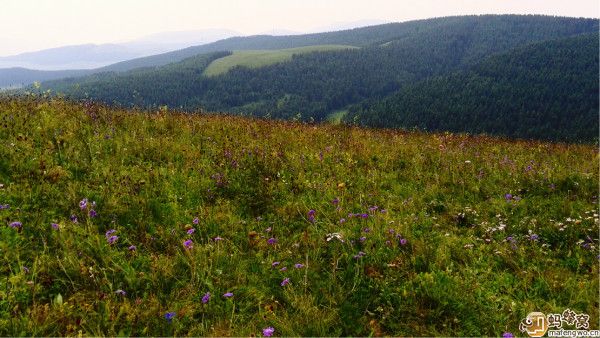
{"x": 336, "y": 117}
{"x": 112, "y": 220}
{"x": 261, "y": 58}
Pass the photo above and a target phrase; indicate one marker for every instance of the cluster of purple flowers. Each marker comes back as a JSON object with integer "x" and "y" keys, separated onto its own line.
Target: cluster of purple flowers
{"x": 359, "y": 255}
{"x": 4, "y": 207}
{"x": 110, "y": 238}
{"x": 206, "y": 298}
{"x": 268, "y": 331}
{"x": 188, "y": 244}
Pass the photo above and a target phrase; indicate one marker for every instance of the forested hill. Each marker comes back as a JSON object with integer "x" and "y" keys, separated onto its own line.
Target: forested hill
{"x": 546, "y": 90}
{"x": 314, "y": 85}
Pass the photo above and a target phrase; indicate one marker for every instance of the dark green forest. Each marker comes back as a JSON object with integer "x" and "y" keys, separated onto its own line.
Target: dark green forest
{"x": 545, "y": 91}
{"x": 393, "y": 60}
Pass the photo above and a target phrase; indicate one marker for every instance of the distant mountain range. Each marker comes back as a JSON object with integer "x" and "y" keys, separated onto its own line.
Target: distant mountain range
{"x": 89, "y": 56}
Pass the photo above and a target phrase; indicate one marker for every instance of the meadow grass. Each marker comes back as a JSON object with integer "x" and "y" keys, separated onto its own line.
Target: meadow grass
{"x": 315, "y": 230}
{"x": 261, "y": 58}
{"x": 336, "y": 116}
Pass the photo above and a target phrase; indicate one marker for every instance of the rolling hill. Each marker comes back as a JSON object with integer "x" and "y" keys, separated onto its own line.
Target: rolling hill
{"x": 313, "y": 85}
{"x": 546, "y": 90}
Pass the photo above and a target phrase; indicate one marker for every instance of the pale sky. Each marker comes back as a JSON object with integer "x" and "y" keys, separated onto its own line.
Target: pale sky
{"x": 29, "y": 25}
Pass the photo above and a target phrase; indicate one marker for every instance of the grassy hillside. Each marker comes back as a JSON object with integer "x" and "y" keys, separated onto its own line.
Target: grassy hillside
{"x": 166, "y": 224}
{"x": 546, "y": 90}
{"x": 261, "y": 58}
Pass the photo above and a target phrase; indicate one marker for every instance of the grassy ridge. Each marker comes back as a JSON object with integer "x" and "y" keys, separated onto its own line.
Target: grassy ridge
{"x": 423, "y": 236}
{"x": 261, "y": 58}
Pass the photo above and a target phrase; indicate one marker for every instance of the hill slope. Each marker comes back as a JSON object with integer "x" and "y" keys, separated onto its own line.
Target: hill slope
{"x": 313, "y": 85}
{"x": 547, "y": 91}
{"x": 311, "y": 230}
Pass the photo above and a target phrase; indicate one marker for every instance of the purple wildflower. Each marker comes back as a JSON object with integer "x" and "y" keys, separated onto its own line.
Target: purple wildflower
{"x": 112, "y": 239}
{"x": 228, "y": 295}
{"x": 272, "y": 241}
{"x": 73, "y": 218}
{"x": 311, "y": 215}
{"x": 190, "y": 231}
{"x": 218, "y": 238}
{"x": 188, "y": 244}
{"x": 196, "y": 220}
{"x": 298, "y": 265}
{"x": 285, "y": 281}
{"x": 16, "y": 225}
{"x": 206, "y": 298}
{"x": 132, "y": 248}
{"x": 508, "y": 197}
{"x": 534, "y": 237}
{"x": 120, "y": 292}
{"x": 268, "y": 331}
{"x": 5, "y": 207}
{"x": 83, "y": 204}
{"x": 274, "y": 264}
{"x": 335, "y": 201}
{"x": 508, "y": 335}
{"x": 403, "y": 241}
{"x": 364, "y": 215}
{"x": 373, "y": 208}
{"x": 362, "y": 239}
{"x": 359, "y": 255}
{"x": 342, "y": 220}
{"x": 93, "y": 213}
{"x": 55, "y": 226}
{"x": 283, "y": 269}
{"x": 391, "y": 231}
{"x": 367, "y": 230}
{"x": 169, "y": 316}
{"x": 110, "y": 232}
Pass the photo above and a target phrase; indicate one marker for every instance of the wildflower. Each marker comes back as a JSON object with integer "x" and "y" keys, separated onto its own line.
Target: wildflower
{"x": 206, "y": 298}
{"x": 132, "y": 248}
{"x": 55, "y": 226}
{"x": 25, "y": 269}
{"x": 534, "y": 237}
{"x": 268, "y": 229}
{"x": 367, "y": 230}
{"x": 364, "y": 215}
{"x": 169, "y": 316}
{"x": 120, "y": 292}
{"x": 110, "y": 232}
{"x": 73, "y": 218}
{"x": 283, "y": 269}
{"x": 93, "y": 213}
{"x": 359, "y": 255}
{"x": 268, "y": 331}
{"x": 5, "y": 207}
{"x": 112, "y": 239}
{"x": 190, "y": 231}
{"x": 391, "y": 231}
{"x": 335, "y": 201}
{"x": 362, "y": 239}
{"x": 342, "y": 220}
{"x": 508, "y": 197}
{"x": 83, "y": 204}
{"x": 403, "y": 241}
{"x": 218, "y": 238}
{"x": 272, "y": 241}
{"x": 274, "y": 264}
{"x": 373, "y": 208}
{"x": 285, "y": 281}
{"x": 311, "y": 215}
{"x": 228, "y": 295}
{"x": 298, "y": 265}
{"x": 188, "y": 244}
{"x": 196, "y": 220}
{"x": 16, "y": 225}
{"x": 508, "y": 335}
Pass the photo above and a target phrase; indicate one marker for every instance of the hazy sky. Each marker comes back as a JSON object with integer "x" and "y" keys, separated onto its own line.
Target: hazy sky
{"x": 28, "y": 25}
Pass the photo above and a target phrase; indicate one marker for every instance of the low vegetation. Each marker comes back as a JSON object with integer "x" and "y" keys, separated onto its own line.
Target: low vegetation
{"x": 127, "y": 223}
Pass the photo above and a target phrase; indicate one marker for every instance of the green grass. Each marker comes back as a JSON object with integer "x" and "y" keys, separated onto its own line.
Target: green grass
{"x": 261, "y": 58}
{"x": 248, "y": 180}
